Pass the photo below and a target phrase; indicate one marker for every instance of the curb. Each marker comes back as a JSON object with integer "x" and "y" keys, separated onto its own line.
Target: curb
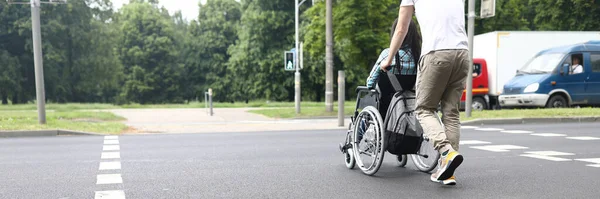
{"x": 532, "y": 120}
{"x": 44, "y": 133}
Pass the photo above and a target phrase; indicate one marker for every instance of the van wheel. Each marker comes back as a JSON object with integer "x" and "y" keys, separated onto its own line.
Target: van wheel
{"x": 557, "y": 101}
{"x": 479, "y": 104}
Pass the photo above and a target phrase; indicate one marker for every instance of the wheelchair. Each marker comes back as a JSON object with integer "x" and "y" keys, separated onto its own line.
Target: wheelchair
{"x": 365, "y": 139}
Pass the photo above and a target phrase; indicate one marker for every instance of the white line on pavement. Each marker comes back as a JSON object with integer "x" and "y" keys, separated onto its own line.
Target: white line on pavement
{"x": 111, "y": 141}
{"x": 109, "y": 179}
{"x": 547, "y": 155}
{"x": 114, "y": 194}
{"x": 591, "y": 160}
{"x": 111, "y": 148}
{"x": 549, "y": 134}
{"x": 488, "y": 129}
{"x": 517, "y": 132}
{"x": 468, "y": 127}
{"x": 593, "y": 165}
{"x": 110, "y": 165}
{"x": 499, "y": 148}
{"x": 583, "y": 138}
{"x": 472, "y": 142}
{"x": 110, "y": 155}
{"x": 111, "y": 137}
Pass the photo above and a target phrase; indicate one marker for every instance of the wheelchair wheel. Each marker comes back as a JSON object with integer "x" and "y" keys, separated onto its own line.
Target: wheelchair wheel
{"x": 402, "y": 160}
{"x": 429, "y": 163}
{"x": 368, "y": 143}
{"x": 348, "y": 154}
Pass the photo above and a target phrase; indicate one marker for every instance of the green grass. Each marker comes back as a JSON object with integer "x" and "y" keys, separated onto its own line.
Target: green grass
{"x": 94, "y": 122}
{"x": 305, "y": 112}
{"x": 76, "y": 106}
{"x": 491, "y": 114}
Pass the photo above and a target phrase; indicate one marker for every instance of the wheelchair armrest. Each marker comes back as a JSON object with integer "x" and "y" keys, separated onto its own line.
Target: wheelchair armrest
{"x": 364, "y": 89}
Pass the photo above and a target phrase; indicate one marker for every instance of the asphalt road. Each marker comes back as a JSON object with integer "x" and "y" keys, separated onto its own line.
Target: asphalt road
{"x": 537, "y": 161}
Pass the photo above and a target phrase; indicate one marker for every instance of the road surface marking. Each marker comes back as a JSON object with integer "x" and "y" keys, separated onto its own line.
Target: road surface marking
{"x": 472, "y": 142}
{"x": 549, "y": 134}
{"x": 583, "y": 138}
{"x": 109, "y": 179}
{"x": 110, "y": 165}
{"x": 111, "y": 148}
{"x": 596, "y": 162}
{"x": 547, "y": 155}
{"x": 499, "y": 148}
{"x": 517, "y": 132}
{"x": 111, "y": 141}
{"x": 468, "y": 127}
{"x": 488, "y": 129}
{"x": 111, "y": 137}
{"x": 115, "y": 194}
{"x": 110, "y": 155}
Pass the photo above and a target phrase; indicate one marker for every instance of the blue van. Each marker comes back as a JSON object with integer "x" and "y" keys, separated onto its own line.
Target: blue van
{"x": 557, "y": 77}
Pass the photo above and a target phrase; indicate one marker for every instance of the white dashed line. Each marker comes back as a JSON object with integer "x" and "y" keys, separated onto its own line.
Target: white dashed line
{"x": 488, "y": 129}
{"x": 109, "y": 179}
{"x": 583, "y": 138}
{"x": 547, "y": 155}
{"x": 110, "y": 155}
{"x": 116, "y": 194}
{"x": 549, "y": 134}
{"x": 110, "y": 165}
{"x": 499, "y": 148}
{"x": 596, "y": 162}
{"x": 468, "y": 127}
{"x": 111, "y": 148}
{"x": 473, "y": 142}
{"x": 517, "y": 132}
{"x": 111, "y": 141}
{"x": 111, "y": 137}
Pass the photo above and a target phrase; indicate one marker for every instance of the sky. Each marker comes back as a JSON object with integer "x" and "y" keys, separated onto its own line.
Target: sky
{"x": 189, "y": 8}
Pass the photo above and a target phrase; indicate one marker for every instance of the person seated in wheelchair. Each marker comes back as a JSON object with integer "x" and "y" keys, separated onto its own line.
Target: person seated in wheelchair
{"x": 405, "y": 68}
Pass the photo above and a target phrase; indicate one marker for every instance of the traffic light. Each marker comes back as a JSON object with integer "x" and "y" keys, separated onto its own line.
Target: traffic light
{"x": 289, "y": 61}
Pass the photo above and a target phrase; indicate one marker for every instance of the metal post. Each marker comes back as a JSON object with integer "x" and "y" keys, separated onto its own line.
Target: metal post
{"x": 297, "y": 74}
{"x": 38, "y": 61}
{"x": 471, "y": 32}
{"x": 210, "y": 104}
{"x": 341, "y": 96}
{"x": 328, "y": 56}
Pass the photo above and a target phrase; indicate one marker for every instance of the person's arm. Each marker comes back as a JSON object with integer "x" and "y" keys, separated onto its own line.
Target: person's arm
{"x": 375, "y": 72}
{"x": 404, "y": 16}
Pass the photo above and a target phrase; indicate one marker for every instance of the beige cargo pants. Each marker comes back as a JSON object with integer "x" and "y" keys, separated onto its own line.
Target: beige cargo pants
{"x": 441, "y": 79}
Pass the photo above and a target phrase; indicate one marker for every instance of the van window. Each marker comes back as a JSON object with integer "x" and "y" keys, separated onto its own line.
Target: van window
{"x": 576, "y": 63}
{"x": 596, "y": 62}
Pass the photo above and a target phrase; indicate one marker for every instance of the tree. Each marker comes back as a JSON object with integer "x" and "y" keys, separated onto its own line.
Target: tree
{"x": 147, "y": 51}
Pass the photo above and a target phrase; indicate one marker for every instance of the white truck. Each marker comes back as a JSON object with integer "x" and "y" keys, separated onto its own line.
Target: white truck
{"x": 504, "y": 52}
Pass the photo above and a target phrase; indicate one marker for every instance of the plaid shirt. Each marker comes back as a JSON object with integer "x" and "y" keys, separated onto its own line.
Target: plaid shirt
{"x": 406, "y": 61}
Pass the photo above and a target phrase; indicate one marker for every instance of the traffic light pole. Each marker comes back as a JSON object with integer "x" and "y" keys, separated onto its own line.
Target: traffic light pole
{"x": 297, "y": 73}
{"x": 471, "y": 31}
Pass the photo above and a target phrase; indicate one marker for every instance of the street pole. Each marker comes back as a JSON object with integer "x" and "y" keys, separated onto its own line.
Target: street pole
{"x": 38, "y": 61}
{"x": 297, "y": 74}
{"x": 341, "y": 97}
{"x": 328, "y": 56}
{"x": 471, "y": 32}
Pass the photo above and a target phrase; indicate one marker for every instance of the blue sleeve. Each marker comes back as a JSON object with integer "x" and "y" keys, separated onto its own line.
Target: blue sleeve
{"x": 376, "y": 71}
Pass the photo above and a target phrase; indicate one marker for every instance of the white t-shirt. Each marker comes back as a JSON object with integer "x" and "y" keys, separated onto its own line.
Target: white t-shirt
{"x": 442, "y": 24}
{"x": 577, "y": 69}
